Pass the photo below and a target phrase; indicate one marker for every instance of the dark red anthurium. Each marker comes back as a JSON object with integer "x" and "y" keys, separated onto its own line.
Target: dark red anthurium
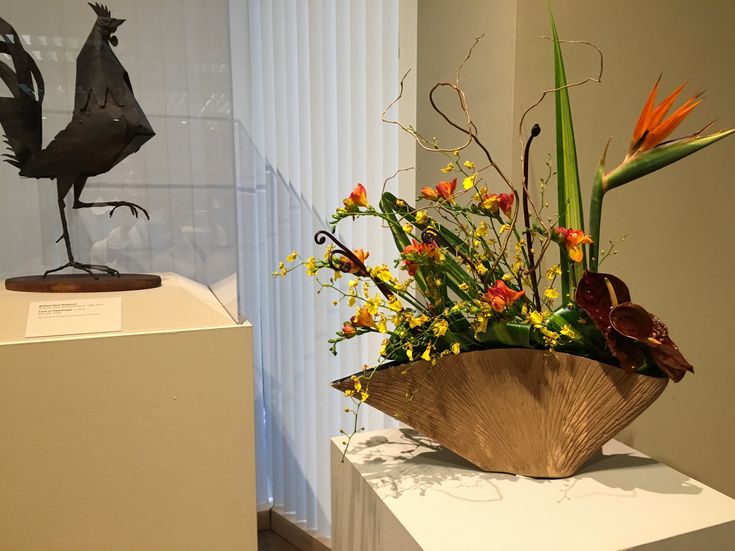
{"x": 629, "y": 329}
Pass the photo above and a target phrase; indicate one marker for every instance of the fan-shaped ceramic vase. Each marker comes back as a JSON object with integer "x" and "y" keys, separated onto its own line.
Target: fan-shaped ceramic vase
{"x": 518, "y": 411}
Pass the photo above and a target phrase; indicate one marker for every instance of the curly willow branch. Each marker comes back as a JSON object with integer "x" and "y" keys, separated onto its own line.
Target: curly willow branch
{"x": 420, "y": 140}
{"x": 597, "y": 79}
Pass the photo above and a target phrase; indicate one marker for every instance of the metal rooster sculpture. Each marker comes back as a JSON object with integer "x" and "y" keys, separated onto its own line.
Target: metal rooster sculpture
{"x": 107, "y": 124}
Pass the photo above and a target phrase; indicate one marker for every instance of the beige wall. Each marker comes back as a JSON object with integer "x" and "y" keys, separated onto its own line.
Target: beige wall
{"x": 488, "y": 75}
{"x": 677, "y": 258}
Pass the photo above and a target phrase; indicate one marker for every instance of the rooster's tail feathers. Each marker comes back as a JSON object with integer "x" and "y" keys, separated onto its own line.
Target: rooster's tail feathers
{"x": 20, "y": 115}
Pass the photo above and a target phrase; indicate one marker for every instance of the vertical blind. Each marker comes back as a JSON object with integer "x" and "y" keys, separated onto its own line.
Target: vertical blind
{"x": 310, "y": 82}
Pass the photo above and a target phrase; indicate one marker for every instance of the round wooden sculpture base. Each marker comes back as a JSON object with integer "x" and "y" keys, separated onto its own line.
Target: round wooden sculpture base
{"x": 82, "y": 283}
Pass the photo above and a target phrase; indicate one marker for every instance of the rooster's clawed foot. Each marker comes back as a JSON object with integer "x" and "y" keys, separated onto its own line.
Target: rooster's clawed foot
{"x": 132, "y": 206}
{"x": 86, "y": 268}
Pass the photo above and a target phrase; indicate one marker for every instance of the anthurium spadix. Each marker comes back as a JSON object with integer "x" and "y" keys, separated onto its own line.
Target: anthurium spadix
{"x": 647, "y": 153}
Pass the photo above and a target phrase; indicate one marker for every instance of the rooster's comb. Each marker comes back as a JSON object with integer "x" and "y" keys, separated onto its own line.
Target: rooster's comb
{"x": 100, "y": 10}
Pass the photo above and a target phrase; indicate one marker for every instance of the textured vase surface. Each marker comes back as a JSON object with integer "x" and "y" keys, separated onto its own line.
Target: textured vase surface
{"x": 516, "y": 411}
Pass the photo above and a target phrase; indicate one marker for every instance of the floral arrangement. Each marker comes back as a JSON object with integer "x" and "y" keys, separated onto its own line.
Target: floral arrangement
{"x": 473, "y": 269}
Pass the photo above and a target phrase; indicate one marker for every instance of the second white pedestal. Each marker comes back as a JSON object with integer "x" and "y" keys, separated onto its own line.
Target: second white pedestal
{"x": 398, "y": 490}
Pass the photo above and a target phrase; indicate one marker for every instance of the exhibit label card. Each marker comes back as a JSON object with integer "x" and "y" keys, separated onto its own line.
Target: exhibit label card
{"x": 73, "y": 317}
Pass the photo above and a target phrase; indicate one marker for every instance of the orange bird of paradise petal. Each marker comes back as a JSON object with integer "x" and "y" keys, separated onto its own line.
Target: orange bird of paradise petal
{"x": 653, "y": 125}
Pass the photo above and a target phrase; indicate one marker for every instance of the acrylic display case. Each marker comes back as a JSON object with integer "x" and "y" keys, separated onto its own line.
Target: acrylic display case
{"x": 178, "y": 58}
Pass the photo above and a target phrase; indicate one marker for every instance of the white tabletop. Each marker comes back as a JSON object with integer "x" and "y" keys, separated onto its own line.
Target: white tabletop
{"x": 620, "y": 500}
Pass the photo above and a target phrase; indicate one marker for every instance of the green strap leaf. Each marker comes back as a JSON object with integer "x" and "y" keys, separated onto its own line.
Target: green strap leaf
{"x": 569, "y": 194}
{"x": 503, "y": 333}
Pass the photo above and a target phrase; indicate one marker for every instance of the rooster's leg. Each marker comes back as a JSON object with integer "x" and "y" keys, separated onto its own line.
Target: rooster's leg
{"x": 63, "y": 185}
{"x": 79, "y": 204}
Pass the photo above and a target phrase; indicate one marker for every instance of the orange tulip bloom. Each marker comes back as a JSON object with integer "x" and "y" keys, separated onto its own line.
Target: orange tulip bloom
{"x": 653, "y": 125}
{"x": 505, "y": 202}
{"x": 492, "y": 201}
{"x": 429, "y": 193}
{"x": 500, "y": 296}
{"x": 446, "y": 190}
{"x": 348, "y": 330}
{"x": 573, "y": 240}
{"x": 363, "y": 318}
{"x": 358, "y": 198}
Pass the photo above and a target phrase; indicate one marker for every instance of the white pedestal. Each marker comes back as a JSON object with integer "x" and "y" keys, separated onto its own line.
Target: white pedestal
{"x": 398, "y": 490}
{"x": 138, "y": 440}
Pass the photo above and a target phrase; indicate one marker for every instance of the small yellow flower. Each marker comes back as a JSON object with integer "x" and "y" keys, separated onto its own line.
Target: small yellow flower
{"x": 482, "y": 320}
{"x": 382, "y": 273}
{"x": 363, "y": 396}
{"x": 481, "y": 269}
{"x": 481, "y": 230}
{"x": 400, "y": 203}
{"x": 427, "y": 353}
{"x": 456, "y": 153}
{"x": 408, "y": 228}
{"x": 535, "y": 318}
{"x": 409, "y": 352}
{"x": 292, "y": 256}
{"x": 469, "y": 164}
{"x": 468, "y": 182}
{"x": 464, "y": 286}
{"x": 448, "y": 168}
{"x": 455, "y": 348}
{"x": 568, "y": 332}
{"x": 311, "y": 268}
{"x": 395, "y": 305}
{"x": 349, "y": 393}
{"x": 504, "y": 228}
{"x": 382, "y": 324}
{"x": 550, "y": 337}
{"x": 440, "y": 327}
{"x": 373, "y": 304}
{"x": 417, "y": 321}
{"x": 384, "y": 347}
{"x": 421, "y": 217}
{"x": 551, "y": 293}
{"x": 552, "y": 272}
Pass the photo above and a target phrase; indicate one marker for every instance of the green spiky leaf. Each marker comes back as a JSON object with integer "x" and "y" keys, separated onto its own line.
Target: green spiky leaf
{"x": 569, "y": 194}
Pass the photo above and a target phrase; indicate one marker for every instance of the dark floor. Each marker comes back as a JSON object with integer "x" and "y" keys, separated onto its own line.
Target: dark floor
{"x": 270, "y": 541}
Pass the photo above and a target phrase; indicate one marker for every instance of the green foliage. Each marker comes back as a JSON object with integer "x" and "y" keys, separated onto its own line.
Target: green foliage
{"x": 569, "y": 193}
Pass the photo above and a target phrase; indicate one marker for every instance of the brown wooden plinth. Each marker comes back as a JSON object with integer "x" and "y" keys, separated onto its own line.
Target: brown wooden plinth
{"x": 82, "y": 283}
